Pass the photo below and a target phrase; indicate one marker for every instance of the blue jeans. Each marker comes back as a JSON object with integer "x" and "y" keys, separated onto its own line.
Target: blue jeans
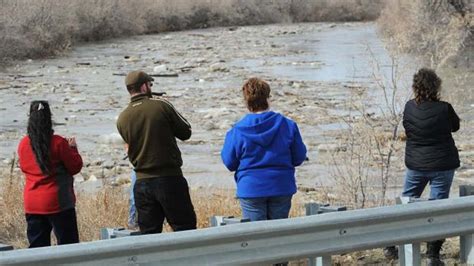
{"x": 132, "y": 210}
{"x": 416, "y": 181}
{"x": 265, "y": 208}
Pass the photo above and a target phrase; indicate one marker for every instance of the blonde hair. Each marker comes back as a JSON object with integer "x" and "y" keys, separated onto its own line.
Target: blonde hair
{"x": 256, "y": 93}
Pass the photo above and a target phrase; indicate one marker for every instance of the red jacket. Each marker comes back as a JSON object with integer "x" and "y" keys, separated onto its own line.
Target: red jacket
{"x": 53, "y": 193}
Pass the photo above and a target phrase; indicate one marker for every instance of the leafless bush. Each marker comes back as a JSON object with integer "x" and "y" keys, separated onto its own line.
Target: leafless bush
{"x": 336, "y": 10}
{"x": 45, "y": 27}
{"x": 439, "y": 29}
{"x": 364, "y": 167}
{"x": 100, "y": 19}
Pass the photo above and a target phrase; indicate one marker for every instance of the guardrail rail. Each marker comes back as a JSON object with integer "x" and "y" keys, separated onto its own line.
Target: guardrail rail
{"x": 270, "y": 241}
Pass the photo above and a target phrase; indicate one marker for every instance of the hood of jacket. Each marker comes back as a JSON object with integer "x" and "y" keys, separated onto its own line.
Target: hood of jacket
{"x": 260, "y": 128}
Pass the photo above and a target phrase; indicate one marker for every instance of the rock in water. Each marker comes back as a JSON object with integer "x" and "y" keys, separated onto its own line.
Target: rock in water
{"x": 160, "y": 69}
{"x": 112, "y": 138}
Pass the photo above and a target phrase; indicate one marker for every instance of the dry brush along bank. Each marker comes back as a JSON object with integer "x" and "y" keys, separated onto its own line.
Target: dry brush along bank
{"x": 440, "y": 30}
{"x": 47, "y": 27}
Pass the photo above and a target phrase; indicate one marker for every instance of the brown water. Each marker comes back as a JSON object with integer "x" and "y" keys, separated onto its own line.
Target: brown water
{"x": 311, "y": 68}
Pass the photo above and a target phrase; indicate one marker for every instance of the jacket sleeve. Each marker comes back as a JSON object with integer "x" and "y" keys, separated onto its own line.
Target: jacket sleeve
{"x": 229, "y": 153}
{"x": 121, "y": 130}
{"x": 298, "y": 149}
{"x": 70, "y": 157}
{"x": 453, "y": 118}
{"x": 20, "y": 155}
{"x": 180, "y": 126}
{"x": 404, "y": 117}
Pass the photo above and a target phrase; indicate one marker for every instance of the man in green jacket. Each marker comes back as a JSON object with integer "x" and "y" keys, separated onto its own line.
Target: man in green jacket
{"x": 150, "y": 127}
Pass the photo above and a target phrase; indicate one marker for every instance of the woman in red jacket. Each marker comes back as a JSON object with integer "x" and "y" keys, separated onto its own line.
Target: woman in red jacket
{"x": 49, "y": 162}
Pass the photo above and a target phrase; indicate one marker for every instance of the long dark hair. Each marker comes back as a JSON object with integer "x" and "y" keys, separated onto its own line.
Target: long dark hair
{"x": 40, "y": 131}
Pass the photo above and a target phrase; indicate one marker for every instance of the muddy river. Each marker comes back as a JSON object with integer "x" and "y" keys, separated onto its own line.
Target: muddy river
{"x": 312, "y": 69}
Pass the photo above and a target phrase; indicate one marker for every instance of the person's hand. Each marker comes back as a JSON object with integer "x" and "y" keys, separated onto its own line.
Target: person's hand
{"x": 72, "y": 142}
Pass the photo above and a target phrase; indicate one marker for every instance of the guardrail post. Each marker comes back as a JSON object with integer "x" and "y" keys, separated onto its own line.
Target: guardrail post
{"x": 225, "y": 220}
{"x": 409, "y": 254}
{"x": 466, "y": 245}
{"x": 315, "y": 208}
{"x": 4, "y": 247}
{"x": 109, "y": 233}
{"x": 324, "y": 261}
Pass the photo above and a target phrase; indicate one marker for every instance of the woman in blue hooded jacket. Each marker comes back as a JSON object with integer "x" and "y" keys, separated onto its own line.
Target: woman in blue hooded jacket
{"x": 263, "y": 149}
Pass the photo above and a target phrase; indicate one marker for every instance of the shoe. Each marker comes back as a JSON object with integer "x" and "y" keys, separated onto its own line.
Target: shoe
{"x": 133, "y": 227}
{"x": 433, "y": 249}
{"x": 391, "y": 253}
{"x": 434, "y": 262}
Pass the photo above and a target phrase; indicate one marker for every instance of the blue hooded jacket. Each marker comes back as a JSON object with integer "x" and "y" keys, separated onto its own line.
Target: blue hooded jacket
{"x": 263, "y": 150}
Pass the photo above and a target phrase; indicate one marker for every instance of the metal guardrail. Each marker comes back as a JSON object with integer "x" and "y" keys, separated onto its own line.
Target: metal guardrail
{"x": 466, "y": 242}
{"x": 110, "y": 233}
{"x": 311, "y": 209}
{"x": 226, "y": 220}
{"x": 409, "y": 254}
{"x": 269, "y": 241}
{"x": 315, "y": 209}
{"x": 4, "y": 247}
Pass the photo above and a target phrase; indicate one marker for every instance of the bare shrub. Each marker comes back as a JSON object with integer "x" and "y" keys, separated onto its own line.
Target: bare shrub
{"x": 32, "y": 29}
{"x": 338, "y": 10}
{"x": 94, "y": 20}
{"x": 438, "y": 29}
{"x": 40, "y": 28}
{"x": 364, "y": 168}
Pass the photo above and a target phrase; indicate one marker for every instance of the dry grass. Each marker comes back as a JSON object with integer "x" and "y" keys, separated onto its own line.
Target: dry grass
{"x": 439, "y": 29}
{"x": 109, "y": 208}
{"x": 31, "y": 29}
{"x": 106, "y": 208}
{"x": 12, "y": 218}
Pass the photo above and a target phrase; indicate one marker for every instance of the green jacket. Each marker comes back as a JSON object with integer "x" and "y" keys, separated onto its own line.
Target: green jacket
{"x": 150, "y": 127}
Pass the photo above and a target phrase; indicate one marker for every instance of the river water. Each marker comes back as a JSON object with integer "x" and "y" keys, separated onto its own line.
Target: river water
{"x": 312, "y": 69}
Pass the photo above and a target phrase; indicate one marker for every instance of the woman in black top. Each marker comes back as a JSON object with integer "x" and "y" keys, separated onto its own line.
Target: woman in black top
{"x": 431, "y": 155}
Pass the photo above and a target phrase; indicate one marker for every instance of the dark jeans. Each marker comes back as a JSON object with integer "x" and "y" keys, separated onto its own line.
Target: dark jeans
{"x": 64, "y": 225}
{"x": 163, "y": 197}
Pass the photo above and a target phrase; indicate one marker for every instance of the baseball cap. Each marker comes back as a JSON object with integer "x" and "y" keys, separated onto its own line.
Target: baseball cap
{"x": 137, "y": 78}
